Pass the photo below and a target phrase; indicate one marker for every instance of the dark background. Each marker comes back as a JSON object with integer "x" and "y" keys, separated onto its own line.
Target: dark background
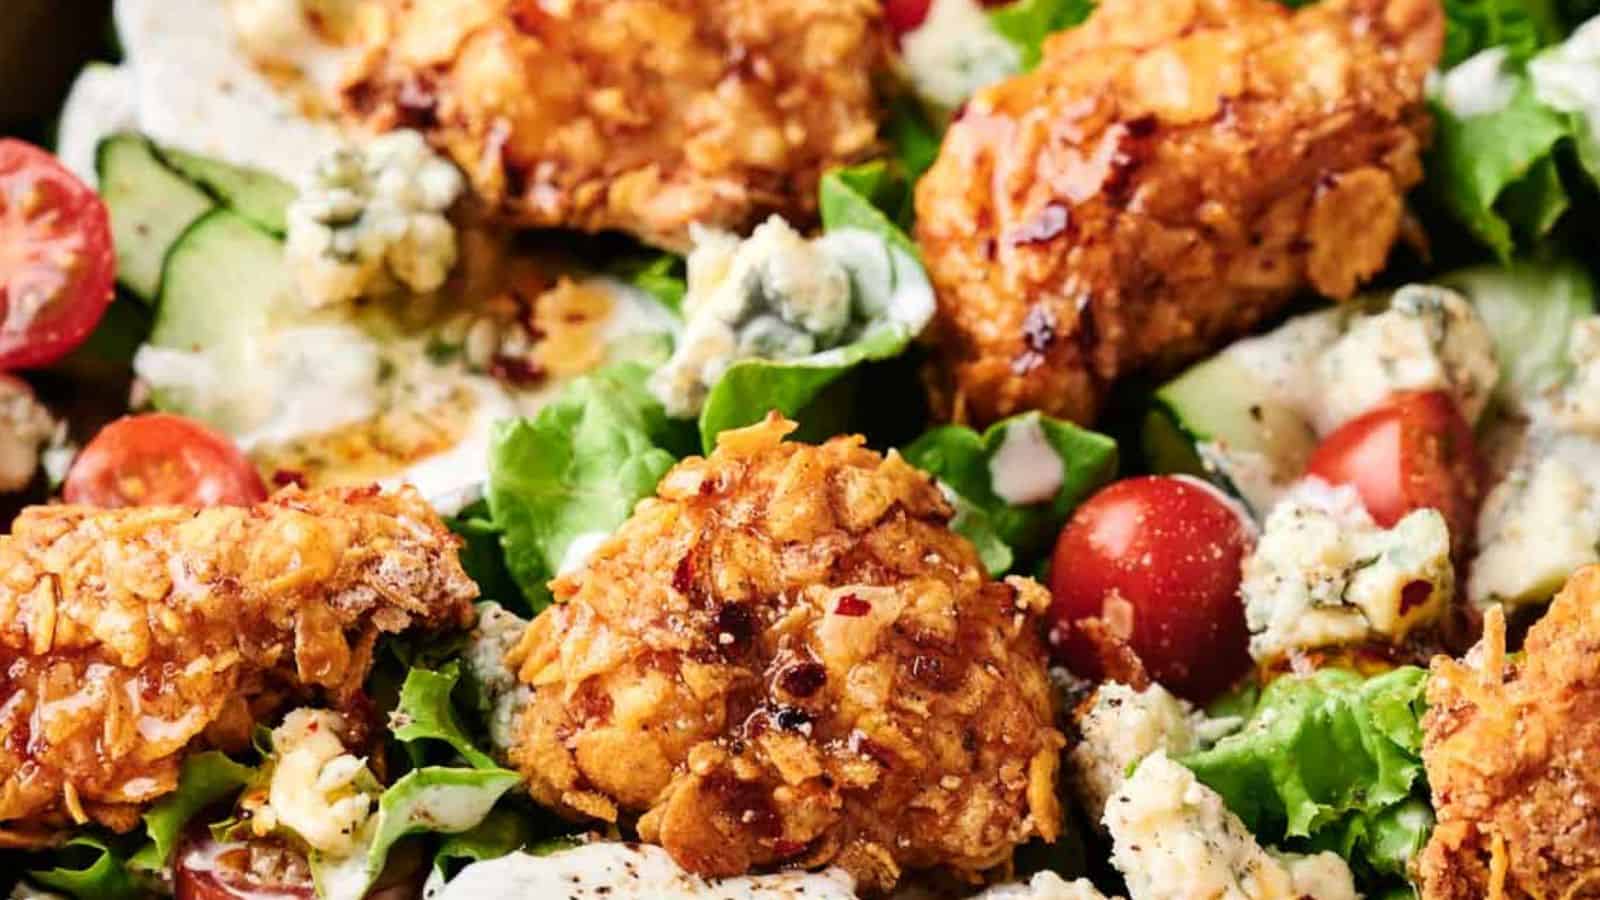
{"x": 42, "y": 45}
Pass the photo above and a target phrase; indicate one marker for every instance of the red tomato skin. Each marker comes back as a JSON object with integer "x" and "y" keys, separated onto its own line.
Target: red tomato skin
{"x": 1171, "y": 549}
{"x": 1413, "y": 452}
{"x": 81, "y": 227}
{"x": 197, "y": 874}
{"x": 905, "y": 15}
{"x": 159, "y": 459}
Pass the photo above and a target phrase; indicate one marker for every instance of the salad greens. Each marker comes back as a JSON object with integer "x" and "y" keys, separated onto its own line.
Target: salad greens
{"x": 1331, "y": 760}
{"x": 1026, "y": 23}
{"x": 575, "y": 471}
{"x": 964, "y": 461}
{"x": 1530, "y": 308}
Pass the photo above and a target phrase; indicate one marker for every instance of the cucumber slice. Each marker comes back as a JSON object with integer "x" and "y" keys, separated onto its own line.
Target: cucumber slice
{"x": 1529, "y": 309}
{"x": 221, "y": 282}
{"x": 150, "y": 207}
{"x": 1219, "y": 412}
{"x": 259, "y": 196}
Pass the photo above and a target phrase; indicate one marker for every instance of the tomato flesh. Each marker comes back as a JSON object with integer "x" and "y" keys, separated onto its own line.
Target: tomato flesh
{"x": 1157, "y": 560}
{"x": 56, "y": 258}
{"x": 1413, "y": 452}
{"x": 159, "y": 459}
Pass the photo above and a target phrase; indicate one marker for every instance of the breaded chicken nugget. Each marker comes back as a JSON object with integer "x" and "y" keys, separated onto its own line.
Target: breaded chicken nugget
{"x": 129, "y": 635}
{"x": 1171, "y": 174}
{"x": 634, "y": 115}
{"x": 1511, "y": 749}
{"x": 787, "y": 658}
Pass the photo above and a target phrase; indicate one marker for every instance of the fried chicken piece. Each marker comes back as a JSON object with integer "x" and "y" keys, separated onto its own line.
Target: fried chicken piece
{"x": 635, "y": 115}
{"x": 787, "y": 658}
{"x": 1170, "y": 175}
{"x": 1511, "y": 749}
{"x": 129, "y": 635}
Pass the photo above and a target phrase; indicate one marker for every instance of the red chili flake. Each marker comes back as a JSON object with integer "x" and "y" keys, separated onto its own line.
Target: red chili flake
{"x": 1414, "y": 595}
{"x": 286, "y": 477}
{"x": 852, "y": 605}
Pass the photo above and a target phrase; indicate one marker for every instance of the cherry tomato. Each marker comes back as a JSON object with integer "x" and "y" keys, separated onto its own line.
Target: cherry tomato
{"x": 206, "y": 869}
{"x": 1414, "y": 452}
{"x": 56, "y": 258}
{"x": 159, "y": 459}
{"x": 905, "y": 15}
{"x": 1156, "y": 560}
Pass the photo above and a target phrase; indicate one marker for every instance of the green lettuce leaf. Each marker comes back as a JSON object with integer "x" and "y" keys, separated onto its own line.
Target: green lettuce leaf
{"x": 483, "y": 558}
{"x": 1521, "y": 26}
{"x": 426, "y": 711}
{"x": 501, "y": 832}
{"x": 1529, "y": 308}
{"x": 206, "y": 779}
{"x": 1564, "y": 79}
{"x": 963, "y": 460}
{"x": 1026, "y": 23}
{"x": 886, "y": 275}
{"x": 913, "y": 135}
{"x": 1496, "y": 172}
{"x": 91, "y": 868}
{"x": 1331, "y": 760}
{"x": 574, "y": 471}
{"x": 661, "y": 276}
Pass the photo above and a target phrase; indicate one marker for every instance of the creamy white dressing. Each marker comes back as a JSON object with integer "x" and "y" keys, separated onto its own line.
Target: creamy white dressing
{"x": 1567, "y": 77}
{"x": 196, "y": 90}
{"x": 1026, "y": 469}
{"x": 103, "y": 101}
{"x": 454, "y": 479}
{"x": 629, "y": 872}
{"x": 1479, "y": 86}
{"x": 578, "y": 552}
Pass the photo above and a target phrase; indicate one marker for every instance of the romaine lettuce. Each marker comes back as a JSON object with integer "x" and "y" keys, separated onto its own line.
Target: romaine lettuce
{"x": 965, "y": 462}
{"x": 1331, "y": 760}
{"x": 575, "y": 471}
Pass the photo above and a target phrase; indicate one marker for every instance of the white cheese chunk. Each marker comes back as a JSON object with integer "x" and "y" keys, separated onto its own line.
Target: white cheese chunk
{"x": 1324, "y": 574}
{"x": 1044, "y": 886}
{"x": 629, "y": 872}
{"x": 1117, "y": 728}
{"x": 1478, "y": 86}
{"x": 1174, "y": 838}
{"x": 317, "y": 790}
{"x": 1540, "y": 524}
{"x": 955, "y": 52}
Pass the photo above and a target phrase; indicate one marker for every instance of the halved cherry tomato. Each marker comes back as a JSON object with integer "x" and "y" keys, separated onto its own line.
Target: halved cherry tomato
{"x": 1155, "y": 560}
{"x": 56, "y": 258}
{"x": 160, "y": 459}
{"x": 206, "y": 869}
{"x": 1413, "y": 452}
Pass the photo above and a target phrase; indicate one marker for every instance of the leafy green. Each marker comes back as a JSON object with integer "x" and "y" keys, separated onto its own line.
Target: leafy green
{"x": 427, "y": 712}
{"x": 1529, "y": 308}
{"x": 1521, "y": 26}
{"x": 91, "y": 868}
{"x": 207, "y": 778}
{"x": 661, "y": 276}
{"x": 913, "y": 135}
{"x": 1496, "y": 171}
{"x": 501, "y": 832}
{"x": 1564, "y": 79}
{"x": 427, "y": 800}
{"x": 1331, "y": 759}
{"x": 892, "y": 298}
{"x": 963, "y": 461}
{"x": 574, "y": 471}
{"x": 484, "y": 560}
{"x": 1026, "y": 23}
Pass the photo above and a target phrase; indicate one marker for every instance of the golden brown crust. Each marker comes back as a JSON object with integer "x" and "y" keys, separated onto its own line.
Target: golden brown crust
{"x": 129, "y": 635}
{"x": 787, "y": 658}
{"x": 1511, "y": 750}
{"x": 636, "y": 115}
{"x": 1171, "y": 174}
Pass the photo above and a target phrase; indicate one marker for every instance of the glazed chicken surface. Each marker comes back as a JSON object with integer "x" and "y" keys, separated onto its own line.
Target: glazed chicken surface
{"x": 633, "y": 115}
{"x": 1511, "y": 751}
{"x": 1171, "y": 174}
{"x": 787, "y": 658}
{"x": 129, "y": 636}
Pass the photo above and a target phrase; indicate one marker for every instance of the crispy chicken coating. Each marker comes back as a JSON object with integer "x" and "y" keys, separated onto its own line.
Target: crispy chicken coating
{"x": 1511, "y": 749}
{"x": 1172, "y": 173}
{"x": 129, "y": 635}
{"x": 787, "y": 658}
{"x": 635, "y": 115}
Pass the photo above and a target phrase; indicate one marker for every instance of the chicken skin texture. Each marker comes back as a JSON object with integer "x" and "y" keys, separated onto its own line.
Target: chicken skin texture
{"x": 128, "y": 636}
{"x": 787, "y": 658}
{"x": 633, "y": 115}
{"x": 1510, "y": 750}
{"x": 1170, "y": 175}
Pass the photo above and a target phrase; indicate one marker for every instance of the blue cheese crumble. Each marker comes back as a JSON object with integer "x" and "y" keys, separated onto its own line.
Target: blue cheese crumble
{"x": 371, "y": 220}
{"x": 955, "y": 52}
{"x": 1324, "y": 574}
